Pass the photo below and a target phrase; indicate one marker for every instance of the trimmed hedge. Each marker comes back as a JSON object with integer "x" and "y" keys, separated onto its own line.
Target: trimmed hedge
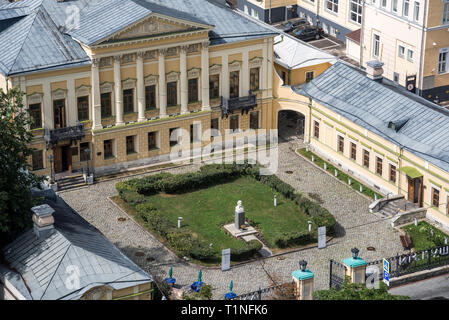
{"x": 247, "y": 251}
{"x": 294, "y": 239}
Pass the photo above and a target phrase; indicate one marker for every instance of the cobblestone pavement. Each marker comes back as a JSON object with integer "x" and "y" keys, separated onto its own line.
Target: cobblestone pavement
{"x": 356, "y": 228}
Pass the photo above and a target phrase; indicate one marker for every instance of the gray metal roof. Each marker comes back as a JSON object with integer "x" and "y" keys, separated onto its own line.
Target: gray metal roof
{"x": 373, "y": 105}
{"x": 44, "y": 263}
{"x": 40, "y": 34}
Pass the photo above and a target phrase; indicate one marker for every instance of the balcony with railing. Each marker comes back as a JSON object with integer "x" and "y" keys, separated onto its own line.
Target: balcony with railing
{"x": 245, "y": 103}
{"x": 53, "y": 136}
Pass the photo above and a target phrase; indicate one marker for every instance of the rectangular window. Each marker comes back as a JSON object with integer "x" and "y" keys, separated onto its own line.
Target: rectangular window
{"x": 393, "y": 173}
{"x": 309, "y": 76}
{"x": 150, "y": 97}
{"x": 341, "y": 144}
{"x": 376, "y": 45}
{"x": 446, "y": 11}
{"x": 332, "y": 5}
{"x": 173, "y": 136}
{"x": 214, "y": 86}
{"x": 396, "y": 77}
{"x": 234, "y": 84}
{"x": 254, "y": 79}
{"x": 172, "y": 93}
{"x": 384, "y": 3}
{"x": 130, "y": 148}
{"x": 405, "y": 8}
{"x": 108, "y": 149}
{"x": 254, "y": 120}
{"x": 379, "y": 170}
{"x": 410, "y": 55}
{"x": 152, "y": 140}
{"x": 353, "y": 151}
{"x": 83, "y": 108}
{"x": 83, "y": 155}
{"x": 193, "y": 90}
{"x": 435, "y": 197}
{"x": 36, "y": 115}
{"x": 234, "y": 122}
{"x": 128, "y": 100}
{"x": 214, "y": 127}
{"x": 356, "y": 11}
{"x": 416, "y": 14}
{"x": 366, "y": 158}
{"x": 401, "y": 51}
{"x": 106, "y": 105}
{"x": 394, "y": 6}
{"x": 316, "y": 129}
{"x": 59, "y": 113}
{"x": 442, "y": 60}
{"x": 38, "y": 159}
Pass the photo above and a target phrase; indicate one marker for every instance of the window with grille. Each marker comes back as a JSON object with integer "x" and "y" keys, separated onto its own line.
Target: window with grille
{"x": 234, "y": 122}
{"x": 152, "y": 140}
{"x": 214, "y": 86}
{"x": 130, "y": 148}
{"x": 128, "y": 101}
{"x": 416, "y": 15}
{"x": 393, "y": 173}
{"x": 309, "y": 76}
{"x": 106, "y": 105}
{"x": 38, "y": 160}
{"x": 376, "y": 45}
{"x": 366, "y": 158}
{"x": 353, "y": 151}
{"x": 172, "y": 93}
{"x": 36, "y": 115}
{"x": 150, "y": 97}
{"x": 83, "y": 108}
{"x": 316, "y": 129}
{"x": 406, "y": 8}
{"x": 193, "y": 90}
{"x": 446, "y": 11}
{"x": 341, "y": 144}
{"x": 435, "y": 197}
{"x": 442, "y": 60}
{"x": 234, "y": 84}
{"x": 108, "y": 149}
{"x": 254, "y": 79}
{"x": 332, "y": 5}
{"x": 379, "y": 170}
{"x": 254, "y": 120}
{"x": 355, "y": 13}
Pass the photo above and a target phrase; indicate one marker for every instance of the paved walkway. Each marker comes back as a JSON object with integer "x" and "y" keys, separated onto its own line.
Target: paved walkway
{"x": 357, "y": 228}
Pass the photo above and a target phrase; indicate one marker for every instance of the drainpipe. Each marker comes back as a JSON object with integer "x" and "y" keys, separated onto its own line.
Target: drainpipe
{"x": 362, "y": 25}
{"x": 421, "y": 62}
{"x": 310, "y": 121}
{"x": 317, "y": 11}
{"x": 401, "y": 152}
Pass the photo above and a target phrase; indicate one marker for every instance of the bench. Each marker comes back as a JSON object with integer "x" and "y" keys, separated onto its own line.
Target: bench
{"x": 406, "y": 241}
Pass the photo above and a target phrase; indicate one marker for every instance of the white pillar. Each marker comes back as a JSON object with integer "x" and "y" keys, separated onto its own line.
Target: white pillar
{"x": 205, "y": 76}
{"x": 225, "y": 76}
{"x": 270, "y": 68}
{"x": 72, "y": 106}
{"x": 140, "y": 88}
{"x": 264, "y": 68}
{"x": 95, "y": 92}
{"x": 162, "y": 85}
{"x": 118, "y": 92}
{"x": 47, "y": 106}
{"x": 184, "y": 92}
{"x": 245, "y": 74}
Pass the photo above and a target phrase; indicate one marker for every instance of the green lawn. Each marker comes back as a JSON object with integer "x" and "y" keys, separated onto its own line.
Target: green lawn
{"x": 205, "y": 211}
{"x": 422, "y": 238}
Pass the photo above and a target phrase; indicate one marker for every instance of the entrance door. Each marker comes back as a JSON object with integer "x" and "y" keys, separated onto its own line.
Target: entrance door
{"x": 415, "y": 190}
{"x": 59, "y": 113}
{"x": 57, "y": 159}
{"x": 66, "y": 158}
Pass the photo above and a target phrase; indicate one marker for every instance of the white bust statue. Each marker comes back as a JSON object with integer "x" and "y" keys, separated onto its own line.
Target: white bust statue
{"x": 239, "y": 207}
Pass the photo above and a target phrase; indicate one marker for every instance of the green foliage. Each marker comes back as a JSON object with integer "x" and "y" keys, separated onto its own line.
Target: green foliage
{"x": 15, "y": 180}
{"x": 205, "y": 293}
{"x": 246, "y": 252}
{"x": 353, "y": 291}
{"x": 293, "y": 239}
{"x": 422, "y": 238}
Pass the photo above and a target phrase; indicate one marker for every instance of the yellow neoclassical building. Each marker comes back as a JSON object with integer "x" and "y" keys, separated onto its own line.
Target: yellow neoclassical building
{"x": 107, "y": 81}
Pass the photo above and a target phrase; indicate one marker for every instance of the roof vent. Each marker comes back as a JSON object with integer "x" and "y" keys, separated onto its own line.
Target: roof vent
{"x": 43, "y": 220}
{"x": 374, "y": 70}
{"x": 397, "y": 125}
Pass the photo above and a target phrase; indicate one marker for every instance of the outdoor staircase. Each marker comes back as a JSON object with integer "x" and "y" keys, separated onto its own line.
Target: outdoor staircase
{"x": 398, "y": 210}
{"x": 400, "y": 205}
{"x": 70, "y": 182}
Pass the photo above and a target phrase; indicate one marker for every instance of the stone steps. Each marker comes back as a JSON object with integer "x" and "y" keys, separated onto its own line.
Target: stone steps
{"x": 71, "y": 182}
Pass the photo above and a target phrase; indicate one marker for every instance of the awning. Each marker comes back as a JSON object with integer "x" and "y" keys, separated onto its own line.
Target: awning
{"x": 411, "y": 172}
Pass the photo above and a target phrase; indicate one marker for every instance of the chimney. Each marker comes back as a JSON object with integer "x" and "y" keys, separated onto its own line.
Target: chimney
{"x": 43, "y": 220}
{"x": 374, "y": 70}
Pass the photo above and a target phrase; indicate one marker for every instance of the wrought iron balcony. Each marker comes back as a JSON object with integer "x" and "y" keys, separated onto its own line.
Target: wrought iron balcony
{"x": 52, "y": 137}
{"x": 239, "y": 103}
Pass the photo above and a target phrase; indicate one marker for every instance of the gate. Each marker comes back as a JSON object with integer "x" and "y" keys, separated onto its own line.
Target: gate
{"x": 278, "y": 292}
{"x": 337, "y": 273}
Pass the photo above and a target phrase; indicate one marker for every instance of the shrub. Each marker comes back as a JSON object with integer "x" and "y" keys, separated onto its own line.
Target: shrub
{"x": 203, "y": 252}
{"x": 205, "y": 293}
{"x": 155, "y": 219}
{"x": 293, "y": 239}
{"x": 247, "y": 251}
{"x": 131, "y": 197}
{"x": 182, "y": 242}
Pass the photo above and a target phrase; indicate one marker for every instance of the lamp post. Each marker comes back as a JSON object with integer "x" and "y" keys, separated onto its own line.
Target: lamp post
{"x": 355, "y": 253}
{"x": 50, "y": 158}
{"x": 302, "y": 265}
{"x": 87, "y": 152}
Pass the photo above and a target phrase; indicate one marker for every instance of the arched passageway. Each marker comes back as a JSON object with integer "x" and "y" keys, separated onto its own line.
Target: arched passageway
{"x": 290, "y": 125}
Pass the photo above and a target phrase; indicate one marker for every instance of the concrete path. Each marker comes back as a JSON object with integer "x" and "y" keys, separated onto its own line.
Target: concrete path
{"x": 437, "y": 287}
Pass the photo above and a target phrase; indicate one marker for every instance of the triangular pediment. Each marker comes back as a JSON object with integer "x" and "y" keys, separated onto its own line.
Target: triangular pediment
{"x": 154, "y": 26}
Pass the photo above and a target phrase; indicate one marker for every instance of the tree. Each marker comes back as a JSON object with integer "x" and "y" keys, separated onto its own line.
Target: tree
{"x": 353, "y": 291}
{"x": 15, "y": 179}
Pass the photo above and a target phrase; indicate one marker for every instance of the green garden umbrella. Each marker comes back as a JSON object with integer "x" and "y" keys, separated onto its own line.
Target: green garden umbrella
{"x": 170, "y": 273}
{"x": 230, "y": 286}
{"x": 199, "y": 276}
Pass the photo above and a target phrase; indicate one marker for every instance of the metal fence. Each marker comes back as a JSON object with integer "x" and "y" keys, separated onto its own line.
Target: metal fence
{"x": 281, "y": 291}
{"x": 337, "y": 273}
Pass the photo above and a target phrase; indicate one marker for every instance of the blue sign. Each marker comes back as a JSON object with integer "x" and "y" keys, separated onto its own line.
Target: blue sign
{"x": 386, "y": 273}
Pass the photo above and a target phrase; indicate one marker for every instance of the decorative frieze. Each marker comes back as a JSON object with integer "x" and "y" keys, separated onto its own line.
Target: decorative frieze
{"x": 193, "y": 48}
{"x": 171, "y": 52}
{"x": 106, "y": 87}
{"x": 151, "y": 80}
{"x": 35, "y": 97}
{"x": 255, "y": 62}
{"x": 129, "y": 83}
{"x": 193, "y": 73}
{"x": 215, "y": 69}
{"x": 59, "y": 94}
{"x": 106, "y": 62}
{"x": 234, "y": 65}
{"x": 149, "y": 55}
{"x": 128, "y": 58}
{"x": 172, "y": 76}
{"x": 82, "y": 91}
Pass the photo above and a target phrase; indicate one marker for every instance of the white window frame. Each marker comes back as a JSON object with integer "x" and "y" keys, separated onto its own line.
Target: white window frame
{"x": 446, "y": 61}
{"x": 334, "y": 4}
{"x": 410, "y": 57}
{"x": 406, "y": 4}
{"x": 416, "y": 8}
{"x": 393, "y": 3}
{"x": 358, "y": 3}
{"x": 445, "y": 18}
{"x": 401, "y": 53}
{"x": 383, "y": 3}
{"x": 376, "y": 45}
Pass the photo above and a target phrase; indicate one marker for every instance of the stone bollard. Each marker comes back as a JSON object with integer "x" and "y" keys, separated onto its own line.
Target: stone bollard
{"x": 325, "y": 166}
{"x": 303, "y": 279}
{"x": 355, "y": 267}
{"x": 375, "y": 197}
{"x": 361, "y": 188}
{"x": 313, "y": 158}
{"x": 336, "y": 173}
{"x": 349, "y": 181}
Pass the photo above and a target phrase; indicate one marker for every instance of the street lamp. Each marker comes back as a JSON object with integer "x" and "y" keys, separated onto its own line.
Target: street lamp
{"x": 302, "y": 265}
{"x": 50, "y": 158}
{"x": 87, "y": 152}
{"x": 355, "y": 253}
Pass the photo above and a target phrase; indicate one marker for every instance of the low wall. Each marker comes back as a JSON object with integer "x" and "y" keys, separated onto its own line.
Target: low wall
{"x": 418, "y": 276}
{"x": 378, "y": 204}
{"x": 408, "y": 217}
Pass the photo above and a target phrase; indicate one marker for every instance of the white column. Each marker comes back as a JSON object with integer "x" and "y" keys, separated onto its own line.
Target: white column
{"x": 72, "y": 107}
{"x": 95, "y": 92}
{"x": 23, "y": 88}
{"x": 140, "y": 88}
{"x": 264, "y": 68}
{"x": 162, "y": 85}
{"x": 184, "y": 93}
{"x": 47, "y": 121}
{"x": 118, "y": 92}
{"x": 245, "y": 74}
{"x": 225, "y": 76}
{"x": 270, "y": 68}
{"x": 205, "y": 76}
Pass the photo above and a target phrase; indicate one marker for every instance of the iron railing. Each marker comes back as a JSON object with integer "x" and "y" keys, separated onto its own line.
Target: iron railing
{"x": 53, "y": 136}
{"x": 245, "y": 103}
{"x": 269, "y": 293}
{"x": 337, "y": 273}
